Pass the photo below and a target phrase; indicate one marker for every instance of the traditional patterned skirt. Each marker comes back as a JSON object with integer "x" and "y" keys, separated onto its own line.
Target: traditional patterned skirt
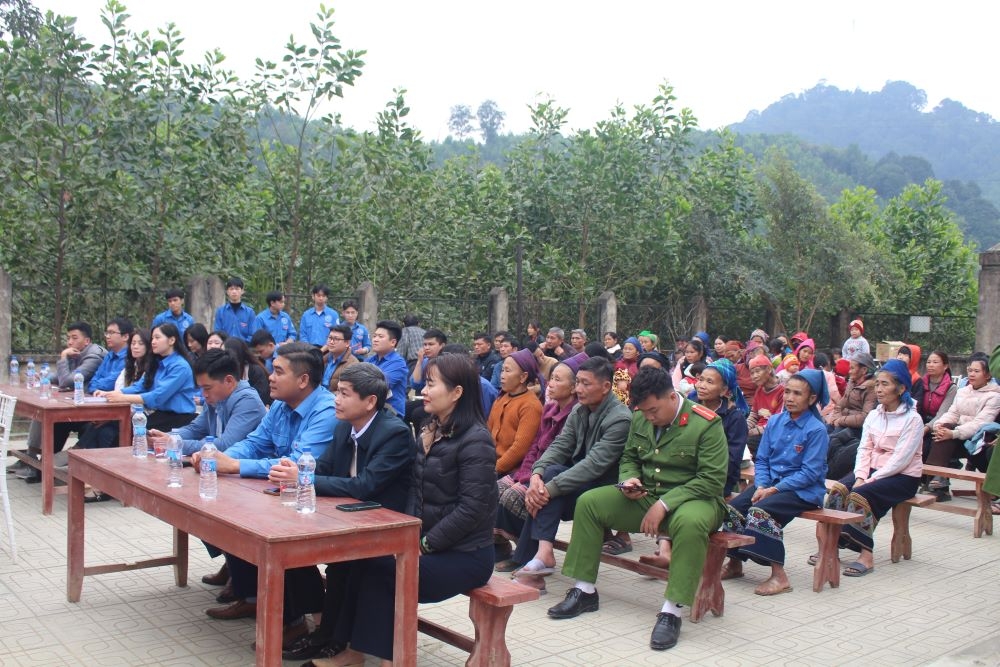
{"x": 764, "y": 522}
{"x": 872, "y": 500}
{"x": 511, "y": 512}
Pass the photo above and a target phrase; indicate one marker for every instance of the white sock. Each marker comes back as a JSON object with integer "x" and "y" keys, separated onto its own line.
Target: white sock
{"x": 671, "y": 608}
{"x": 586, "y": 587}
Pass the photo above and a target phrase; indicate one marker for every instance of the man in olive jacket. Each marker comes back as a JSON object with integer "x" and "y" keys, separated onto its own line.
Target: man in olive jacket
{"x": 671, "y": 477}
{"x": 583, "y": 456}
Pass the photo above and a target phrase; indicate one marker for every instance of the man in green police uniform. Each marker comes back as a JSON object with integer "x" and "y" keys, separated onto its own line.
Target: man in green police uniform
{"x": 671, "y": 477}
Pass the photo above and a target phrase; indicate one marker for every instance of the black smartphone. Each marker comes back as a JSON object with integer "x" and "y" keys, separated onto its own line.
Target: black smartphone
{"x": 359, "y": 507}
{"x": 272, "y": 491}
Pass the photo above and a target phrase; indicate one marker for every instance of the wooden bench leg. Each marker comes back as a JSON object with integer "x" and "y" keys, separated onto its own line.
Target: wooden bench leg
{"x": 710, "y": 595}
{"x": 902, "y": 544}
{"x": 828, "y": 566}
{"x": 982, "y": 522}
{"x": 490, "y": 649}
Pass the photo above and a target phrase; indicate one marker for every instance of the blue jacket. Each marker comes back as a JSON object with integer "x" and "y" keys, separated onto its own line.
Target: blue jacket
{"x": 792, "y": 456}
{"x": 384, "y": 465}
{"x": 182, "y": 321}
{"x": 280, "y": 325}
{"x": 229, "y": 422}
{"x": 173, "y": 386}
{"x": 360, "y": 339}
{"x": 311, "y": 423}
{"x": 239, "y": 322}
{"x": 107, "y": 373}
{"x": 393, "y": 366}
{"x": 315, "y": 327}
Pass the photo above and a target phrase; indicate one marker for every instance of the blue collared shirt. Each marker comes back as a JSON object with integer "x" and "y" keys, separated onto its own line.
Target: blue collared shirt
{"x": 393, "y": 366}
{"x": 360, "y": 340}
{"x": 107, "y": 373}
{"x": 489, "y": 394}
{"x": 279, "y": 325}
{"x": 182, "y": 321}
{"x": 238, "y": 322}
{"x": 229, "y": 422}
{"x": 315, "y": 327}
{"x": 311, "y": 423}
{"x": 792, "y": 456}
{"x": 173, "y": 386}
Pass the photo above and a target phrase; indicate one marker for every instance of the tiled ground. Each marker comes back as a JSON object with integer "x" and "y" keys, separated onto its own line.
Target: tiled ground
{"x": 942, "y": 607}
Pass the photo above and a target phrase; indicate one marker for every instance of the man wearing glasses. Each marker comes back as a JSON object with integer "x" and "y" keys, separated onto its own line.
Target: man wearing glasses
{"x": 338, "y": 355}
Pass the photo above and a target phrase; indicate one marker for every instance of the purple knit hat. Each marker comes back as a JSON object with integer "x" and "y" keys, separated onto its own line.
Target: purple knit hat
{"x": 526, "y": 362}
{"x": 575, "y": 361}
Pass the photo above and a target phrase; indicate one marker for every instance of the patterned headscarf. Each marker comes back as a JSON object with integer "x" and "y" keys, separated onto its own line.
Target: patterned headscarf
{"x": 726, "y": 369}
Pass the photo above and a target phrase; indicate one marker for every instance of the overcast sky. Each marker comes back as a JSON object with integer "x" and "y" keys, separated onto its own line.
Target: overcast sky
{"x": 724, "y": 59}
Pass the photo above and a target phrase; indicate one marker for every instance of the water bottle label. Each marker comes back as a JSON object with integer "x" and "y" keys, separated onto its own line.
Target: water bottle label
{"x": 306, "y": 478}
{"x": 174, "y": 455}
{"x": 207, "y": 466}
{"x": 140, "y": 430}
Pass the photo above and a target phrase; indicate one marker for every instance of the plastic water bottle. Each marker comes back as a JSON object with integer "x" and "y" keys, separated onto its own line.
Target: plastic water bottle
{"x": 29, "y": 373}
{"x": 175, "y": 479}
{"x": 78, "y": 397}
{"x": 208, "y": 482}
{"x": 139, "y": 448}
{"x": 43, "y": 371}
{"x": 15, "y": 371}
{"x": 45, "y": 387}
{"x": 306, "y": 498}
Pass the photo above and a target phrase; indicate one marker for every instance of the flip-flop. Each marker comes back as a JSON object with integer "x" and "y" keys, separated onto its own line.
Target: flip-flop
{"x": 995, "y": 507}
{"x": 857, "y": 569}
{"x": 541, "y": 572}
{"x": 786, "y": 589}
{"x": 508, "y": 565}
{"x": 812, "y": 560}
{"x": 616, "y": 546}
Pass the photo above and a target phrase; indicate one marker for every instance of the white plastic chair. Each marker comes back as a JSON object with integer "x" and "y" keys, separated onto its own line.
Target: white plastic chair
{"x": 7, "y": 404}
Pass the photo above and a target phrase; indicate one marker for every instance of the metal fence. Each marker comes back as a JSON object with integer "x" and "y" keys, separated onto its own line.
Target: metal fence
{"x": 955, "y": 335}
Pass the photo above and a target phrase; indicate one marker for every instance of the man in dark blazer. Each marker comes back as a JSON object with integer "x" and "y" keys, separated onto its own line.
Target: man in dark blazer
{"x": 370, "y": 459}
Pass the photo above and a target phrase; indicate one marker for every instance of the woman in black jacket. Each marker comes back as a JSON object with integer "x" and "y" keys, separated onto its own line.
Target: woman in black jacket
{"x": 454, "y": 492}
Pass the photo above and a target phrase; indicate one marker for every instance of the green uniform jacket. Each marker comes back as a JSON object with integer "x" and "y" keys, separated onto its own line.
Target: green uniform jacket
{"x": 688, "y": 462}
{"x": 592, "y": 438}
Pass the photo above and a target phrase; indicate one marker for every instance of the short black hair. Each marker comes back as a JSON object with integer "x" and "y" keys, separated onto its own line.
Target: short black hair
{"x": 600, "y": 367}
{"x": 905, "y": 349}
{"x": 392, "y": 326}
{"x": 304, "y": 359}
{"x": 613, "y": 334}
{"x": 455, "y": 348}
{"x": 436, "y": 334}
{"x": 482, "y": 335}
{"x": 124, "y": 325}
{"x": 596, "y": 349}
{"x": 410, "y": 320}
{"x": 174, "y": 293}
{"x": 344, "y": 330}
{"x": 350, "y": 303}
{"x": 82, "y": 327}
{"x": 367, "y": 380}
{"x": 217, "y": 364}
{"x": 235, "y": 281}
{"x": 649, "y": 382}
{"x": 321, "y": 289}
{"x": 821, "y": 361}
{"x": 271, "y": 297}
{"x": 261, "y": 337}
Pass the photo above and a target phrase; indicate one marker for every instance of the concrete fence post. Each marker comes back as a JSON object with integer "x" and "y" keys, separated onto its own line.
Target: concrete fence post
{"x": 204, "y": 295}
{"x": 607, "y": 309}
{"x": 988, "y": 312}
{"x": 6, "y": 330}
{"x": 367, "y": 299}
{"x": 499, "y": 310}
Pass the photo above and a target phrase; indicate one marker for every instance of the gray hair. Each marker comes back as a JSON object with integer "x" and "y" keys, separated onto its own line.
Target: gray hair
{"x": 581, "y": 332}
{"x": 367, "y": 380}
{"x": 558, "y": 332}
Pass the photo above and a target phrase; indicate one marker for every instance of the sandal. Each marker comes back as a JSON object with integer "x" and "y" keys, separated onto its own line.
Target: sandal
{"x": 857, "y": 569}
{"x": 96, "y": 496}
{"x": 995, "y": 507}
{"x": 617, "y": 545}
{"x": 508, "y": 565}
{"x": 812, "y": 560}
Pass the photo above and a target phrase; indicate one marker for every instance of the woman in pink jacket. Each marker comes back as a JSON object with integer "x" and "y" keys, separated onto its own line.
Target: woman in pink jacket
{"x": 888, "y": 467}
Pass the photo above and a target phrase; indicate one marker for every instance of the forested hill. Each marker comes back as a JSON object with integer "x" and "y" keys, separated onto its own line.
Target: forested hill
{"x": 959, "y": 144}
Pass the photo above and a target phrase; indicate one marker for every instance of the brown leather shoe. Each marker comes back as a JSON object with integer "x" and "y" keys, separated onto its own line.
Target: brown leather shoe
{"x": 220, "y": 578}
{"x": 226, "y": 595}
{"x": 238, "y": 609}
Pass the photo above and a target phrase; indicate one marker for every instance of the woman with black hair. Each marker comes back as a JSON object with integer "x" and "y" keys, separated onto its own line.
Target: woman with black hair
{"x": 251, "y": 368}
{"x": 196, "y": 340}
{"x": 454, "y": 492}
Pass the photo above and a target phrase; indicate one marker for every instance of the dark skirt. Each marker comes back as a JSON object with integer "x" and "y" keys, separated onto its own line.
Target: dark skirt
{"x": 764, "y": 522}
{"x": 873, "y": 500}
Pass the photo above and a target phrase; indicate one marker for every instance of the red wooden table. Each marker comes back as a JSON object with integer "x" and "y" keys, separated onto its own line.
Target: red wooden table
{"x": 60, "y": 408}
{"x": 253, "y": 526}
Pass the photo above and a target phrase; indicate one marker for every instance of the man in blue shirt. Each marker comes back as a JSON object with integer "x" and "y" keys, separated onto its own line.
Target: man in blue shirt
{"x": 392, "y": 365}
{"x": 302, "y": 414}
{"x": 262, "y": 344}
{"x": 276, "y": 320}
{"x": 361, "y": 342}
{"x": 316, "y": 322}
{"x": 338, "y": 355}
{"x": 235, "y": 318}
{"x": 434, "y": 342}
{"x": 175, "y": 313}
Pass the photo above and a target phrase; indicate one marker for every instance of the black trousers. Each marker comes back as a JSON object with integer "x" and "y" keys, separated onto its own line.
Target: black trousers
{"x": 303, "y": 587}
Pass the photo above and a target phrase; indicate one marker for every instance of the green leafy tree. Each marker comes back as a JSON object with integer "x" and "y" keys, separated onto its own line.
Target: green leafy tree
{"x": 460, "y": 121}
{"x": 490, "y": 119}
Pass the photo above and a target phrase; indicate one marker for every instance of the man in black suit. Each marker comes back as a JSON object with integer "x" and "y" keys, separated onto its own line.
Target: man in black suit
{"x": 370, "y": 459}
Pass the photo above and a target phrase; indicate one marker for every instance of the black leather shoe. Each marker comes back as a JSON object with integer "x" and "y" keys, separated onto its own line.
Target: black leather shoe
{"x": 311, "y": 646}
{"x": 665, "y": 632}
{"x": 576, "y": 603}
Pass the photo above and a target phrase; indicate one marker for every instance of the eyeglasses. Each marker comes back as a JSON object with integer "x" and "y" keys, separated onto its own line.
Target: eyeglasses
{"x": 112, "y": 332}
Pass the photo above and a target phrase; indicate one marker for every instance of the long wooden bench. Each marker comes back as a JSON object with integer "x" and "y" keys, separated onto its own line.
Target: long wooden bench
{"x": 902, "y": 544}
{"x": 982, "y": 517}
{"x": 490, "y": 607}
{"x": 710, "y": 595}
{"x": 827, "y": 569}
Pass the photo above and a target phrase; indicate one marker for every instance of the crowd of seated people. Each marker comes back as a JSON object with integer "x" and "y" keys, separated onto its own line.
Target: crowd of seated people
{"x": 495, "y": 445}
